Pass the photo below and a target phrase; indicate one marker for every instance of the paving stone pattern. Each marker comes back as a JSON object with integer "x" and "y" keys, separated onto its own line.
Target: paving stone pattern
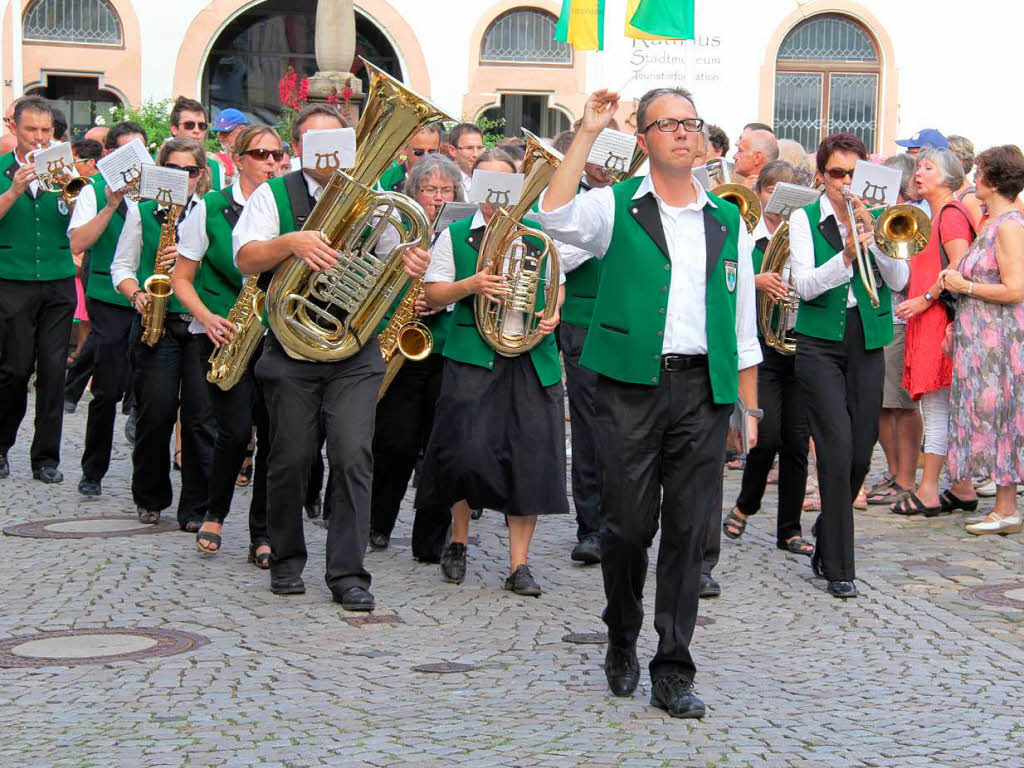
{"x": 918, "y": 671}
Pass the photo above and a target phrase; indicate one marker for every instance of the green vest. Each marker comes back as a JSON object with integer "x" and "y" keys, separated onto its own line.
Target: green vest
{"x": 393, "y": 178}
{"x": 101, "y": 254}
{"x": 626, "y": 334}
{"x": 33, "y": 234}
{"x": 219, "y": 280}
{"x": 757, "y": 256}
{"x": 465, "y": 344}
{"x": 824, "y": 316}
{"x": 147, "y": 257}
{"x": 215, "y": 176}
{"x": 581, "y": 292}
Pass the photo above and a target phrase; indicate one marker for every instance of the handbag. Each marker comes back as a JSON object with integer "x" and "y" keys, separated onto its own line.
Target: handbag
{"x": 947, "y": 298}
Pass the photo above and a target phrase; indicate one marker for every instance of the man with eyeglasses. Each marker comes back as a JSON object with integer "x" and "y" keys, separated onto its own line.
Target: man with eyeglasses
{"x": 673, "y": 339}
{"x": 188, "y": 120}
{"x": 424, "y": 142}
{"x": 466, "y": 144}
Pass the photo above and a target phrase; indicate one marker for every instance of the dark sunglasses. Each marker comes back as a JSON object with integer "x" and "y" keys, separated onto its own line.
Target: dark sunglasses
{"x": 839, "y": 173}
{"x": 422, "y": 152}
{"x": 191, "y": 125}
{"x": 192, "y": 170}
{"x": 263, "y": 154}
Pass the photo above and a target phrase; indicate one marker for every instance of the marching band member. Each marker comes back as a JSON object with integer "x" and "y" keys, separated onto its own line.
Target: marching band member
{"x": 96, "y": 225}
{"x": 174, "y": 363}
{"x": 188, "y": 121}
{"x": 405, "y": 415}
{"x": 37, "y": 295}
{"x": 426, "y": 141}
{"x": 207, "y": 283}
{"x": 840, "y": 359}
{"x": 499, "y": 431}
{"x": 673, "y": 340}
{"x": 302, "y": 395}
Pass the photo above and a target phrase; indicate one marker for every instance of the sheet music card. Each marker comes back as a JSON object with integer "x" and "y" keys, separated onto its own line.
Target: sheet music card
{"x": 700, "y": 175}
{"x": 876, "y": 184}
{"x": 450, "y": 213}
{"x": 786, "y": 198}
{"x": 123, "y": 166}
{"x": 168, "y": 186}
{"x": 496, "y": 188}
{"x": 329, "y": 150}
{"x": 54, "y": 160}
{"x": 613, "y": 150}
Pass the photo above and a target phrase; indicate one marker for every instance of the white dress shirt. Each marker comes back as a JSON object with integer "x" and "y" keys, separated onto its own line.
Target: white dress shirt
{"x": 467, "y": 182}
{"x": 85, "y": 209}
{"x": 260, "y": 220}
{"x": 812, "y": 281}
{"x": 125, "y": 265}
{"x": 587, "y": 222}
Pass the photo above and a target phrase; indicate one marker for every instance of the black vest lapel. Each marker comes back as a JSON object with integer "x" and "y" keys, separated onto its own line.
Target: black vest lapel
{"x": 476, "y": 238}
{"x": 298, "y": 196}
{"x": 122, "y": 209}
{"x": 645, "y": 211}
{"x": 12, "y": 168}
{"x": 829, "y": 229}
{"x": 714, "y": 239}
{"x": 234, "y": 210}
{"x": 762, "y": 244}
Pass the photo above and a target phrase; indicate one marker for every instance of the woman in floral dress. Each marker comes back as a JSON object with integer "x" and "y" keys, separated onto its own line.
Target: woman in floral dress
{"x": 987, "y": 415}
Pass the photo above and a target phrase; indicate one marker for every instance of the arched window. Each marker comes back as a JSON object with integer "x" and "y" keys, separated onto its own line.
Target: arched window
{"x": 827, "y": 77}
{"x": 524, "y": 35}
{"x": 73, "y": 21}
{"x": 530, "y": 111}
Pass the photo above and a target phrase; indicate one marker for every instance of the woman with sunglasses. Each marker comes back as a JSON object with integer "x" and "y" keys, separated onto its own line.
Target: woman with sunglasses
{"x": 207, "y": 282}
{"x": 840, "y": 356}
{"x": 175, "y": 364}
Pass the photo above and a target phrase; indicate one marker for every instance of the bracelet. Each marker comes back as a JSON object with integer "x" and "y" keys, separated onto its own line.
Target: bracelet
{"x": 970, "y": 288}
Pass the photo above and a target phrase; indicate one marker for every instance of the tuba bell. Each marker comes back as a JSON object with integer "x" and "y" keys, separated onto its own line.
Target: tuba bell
{"x": 742, "y": 197}
{"x": 902, "y": 231}
{"x": 509, "y": 325}
{"x": 773, "y": 315}
{"x": 329, "y": 314}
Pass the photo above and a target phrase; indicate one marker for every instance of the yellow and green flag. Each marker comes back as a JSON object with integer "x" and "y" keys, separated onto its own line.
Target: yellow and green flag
{"x": 581, "y": 24}
{"x": 660, "y": 19}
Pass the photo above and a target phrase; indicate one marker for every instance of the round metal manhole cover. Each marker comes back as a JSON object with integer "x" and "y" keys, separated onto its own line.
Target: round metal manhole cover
{"x": 1010, "y": 595}
{"x": 444, "y": 668}
{"x": 586, "y": 638}
{"x": 87, "y": 528}
{"x": 71, "y": 648}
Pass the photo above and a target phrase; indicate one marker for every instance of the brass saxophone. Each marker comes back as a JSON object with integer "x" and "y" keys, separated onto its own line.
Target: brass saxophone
{"x": 230, "y": 360}
{"x": 158, "y": 285}
{"x": 404, "y": 337}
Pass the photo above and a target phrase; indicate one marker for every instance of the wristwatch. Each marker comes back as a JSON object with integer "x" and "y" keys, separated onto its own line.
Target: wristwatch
{"x": 757, "y": 413}
{"x": 928, "y": 295}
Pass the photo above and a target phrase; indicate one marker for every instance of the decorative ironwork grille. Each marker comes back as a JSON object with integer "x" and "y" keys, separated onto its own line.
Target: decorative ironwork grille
{"x": 828, "y": 38}
{"x": 73, "y": 21}
{"x": 525, "y": 35}
{"x": 798, "y": 107}
{"x": 852, "y": 106}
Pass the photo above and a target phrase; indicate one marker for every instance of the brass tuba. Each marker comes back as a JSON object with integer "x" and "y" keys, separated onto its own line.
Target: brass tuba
{"x": 773, "y": 316}
{"x": 510, "y": 324}
{"x": 902, "y": 231}
{"x": 329, "y": 314}
{"x": 742, "y": 197}
{"x": 158, "y": 285}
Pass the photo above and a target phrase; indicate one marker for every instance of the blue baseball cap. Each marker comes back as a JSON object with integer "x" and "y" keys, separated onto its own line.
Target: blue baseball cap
{"x": 228, "y": 120}
{"x": 929, "y": 137}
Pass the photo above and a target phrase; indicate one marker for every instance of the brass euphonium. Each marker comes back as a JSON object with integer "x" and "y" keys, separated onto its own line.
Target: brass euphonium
{"x": 330, "y": 314}
{"x": 773, "y": 315}
{"x": 510, "y": 324}
{"x": 902, "y": 231}
{"x": 158, "y": 285}
{"x": 405, "y": 337}
{"x": 742, "y": 197}
{"x": 229, "y": 361}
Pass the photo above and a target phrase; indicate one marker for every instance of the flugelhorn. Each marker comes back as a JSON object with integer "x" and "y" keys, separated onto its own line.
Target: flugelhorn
{"x": 61, "y": 178}
{"x": 742, "y": 197}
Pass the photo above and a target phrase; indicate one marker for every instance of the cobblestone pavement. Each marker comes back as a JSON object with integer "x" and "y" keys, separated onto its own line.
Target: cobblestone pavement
{"x": 915, "y": 672}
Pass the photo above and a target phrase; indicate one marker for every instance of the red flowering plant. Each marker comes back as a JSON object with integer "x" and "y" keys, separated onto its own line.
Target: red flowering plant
{"x": 294, "y": 94}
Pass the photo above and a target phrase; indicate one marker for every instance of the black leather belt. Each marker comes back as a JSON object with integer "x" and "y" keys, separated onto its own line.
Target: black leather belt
{"x": 683, "y": 362}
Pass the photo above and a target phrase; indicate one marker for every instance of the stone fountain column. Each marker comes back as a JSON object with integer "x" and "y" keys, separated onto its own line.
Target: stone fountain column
{"x": 335, "y": 51}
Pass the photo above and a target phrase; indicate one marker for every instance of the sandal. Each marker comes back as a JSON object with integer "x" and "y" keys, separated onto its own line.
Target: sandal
{"x": 261, "y": 560}
{"x": 212, "y": 538}
{"x": 177, "y": 460}
{"x": 886, "y": 481}
{"x": 738, "y": 524}
{"x": 245, "y": 473}
{"x": 798, "y": 545}
{"x": 889, "y": 495}
{"x": 950, "y": 502}
{"x": 911, "y": 505}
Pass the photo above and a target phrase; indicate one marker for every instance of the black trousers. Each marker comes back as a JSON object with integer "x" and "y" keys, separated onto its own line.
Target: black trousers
{"x": 842, "y": 386}
{"x": 713, "y": 533}
{"x": 79, "y": 372}
{"x": 663, "y": 449}
{"x": 111, "y": 335}
{"x": 782, "y": 431}
{"x": 35, "y": 326}
{"x": 405, "y": 417}
{"x": 237, "y": 410}
{"x": 175, "y": 365}
{"x": 300, "y": 396}
{"x": 581, "y": 384}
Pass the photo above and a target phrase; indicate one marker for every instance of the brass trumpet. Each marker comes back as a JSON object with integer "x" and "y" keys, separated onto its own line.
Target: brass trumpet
{"x": 743, "y": 198}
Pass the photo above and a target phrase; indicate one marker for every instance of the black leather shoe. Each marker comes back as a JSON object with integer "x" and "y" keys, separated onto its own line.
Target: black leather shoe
{"x": 675, "y": 695}
{"x": 453, "y": 563}
{"x": 476, "y": 514}
{"x": 5, "y": 467}
{"x": 622, "y": 668}
{"x": 355, "y": 599}
{"x": 816, "y": 563}
{"x": 521, "y": 582}
{"x": 88, "y": 487}
{"x": 708, "y": 586}
{"x": 129, "y": 427}
{"x": 316, "y": 509}
{"x": 70, "y": 406}
{"x": 587, "y": 551}
{"x": 379, "y": 541}
{"x": 287, "y": 585}
{"x": 842, "y": 589}
{"x": 48, "y": 475}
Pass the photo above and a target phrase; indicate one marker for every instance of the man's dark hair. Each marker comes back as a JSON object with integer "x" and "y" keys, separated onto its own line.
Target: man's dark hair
{"x": 495, "y": 156}
{"x": 648, "y": 98}
{"x": 514, "y": 147}
{"x": 184, "y": 104}
{"x": 1002, "y": 168}
{"x": 309, "y": 111}
{"x": 122, "y": 129}
{"x": 759, "y": 127}
{"x": 60, "y": 124}
{"x": 455, "y": 134}
{"x": 87, "y": 149}
{"x": 434, "y": 128}
{"x": 34, "y": 104}
{"x": 839, "y": 142}
{"x": 774, "y": 172}
{"x": 563, "y": 141}
{"x": 718, "y": 138}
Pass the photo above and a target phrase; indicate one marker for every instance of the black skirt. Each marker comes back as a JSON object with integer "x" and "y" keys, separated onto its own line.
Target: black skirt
{"x": 498, "y": 441}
